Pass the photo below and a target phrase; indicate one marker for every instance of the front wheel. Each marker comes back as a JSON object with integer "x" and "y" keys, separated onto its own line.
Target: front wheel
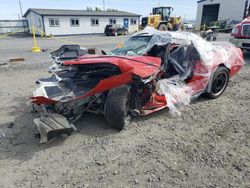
{"x": 219, "y": 82}
{"x": 163, "y": 27}
{"x": 116, "y": 110}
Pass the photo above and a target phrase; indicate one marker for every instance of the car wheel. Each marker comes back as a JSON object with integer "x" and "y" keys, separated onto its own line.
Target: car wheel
{"x": 116, "y": 110}
{"x": 219, "y": 82}
{"x": 163, "y": 27}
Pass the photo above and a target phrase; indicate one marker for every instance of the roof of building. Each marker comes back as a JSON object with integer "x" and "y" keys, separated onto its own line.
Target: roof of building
{"x": 200, "y": 1}
{"x": 64, "y": 12}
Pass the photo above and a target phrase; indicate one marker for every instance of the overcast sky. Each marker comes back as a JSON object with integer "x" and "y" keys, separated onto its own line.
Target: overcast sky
{"x": 9, "y": 9}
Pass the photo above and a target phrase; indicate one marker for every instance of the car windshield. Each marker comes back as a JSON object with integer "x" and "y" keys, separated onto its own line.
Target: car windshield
{"x": 133, "y": 46}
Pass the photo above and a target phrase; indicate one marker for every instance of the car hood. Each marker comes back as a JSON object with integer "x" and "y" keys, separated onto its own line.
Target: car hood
{"x": 142, "y": 66}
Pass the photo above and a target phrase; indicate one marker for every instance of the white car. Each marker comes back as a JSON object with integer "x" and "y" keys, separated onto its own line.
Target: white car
{"x": 188, "y": 25}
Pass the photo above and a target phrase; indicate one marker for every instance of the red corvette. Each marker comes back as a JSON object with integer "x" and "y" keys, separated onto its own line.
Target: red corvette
{"x": 151, "y": 71}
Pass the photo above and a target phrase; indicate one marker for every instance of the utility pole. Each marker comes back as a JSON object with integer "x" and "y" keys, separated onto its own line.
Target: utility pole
{"x": 103, "y": 2}
{"x": 21, "y": 9}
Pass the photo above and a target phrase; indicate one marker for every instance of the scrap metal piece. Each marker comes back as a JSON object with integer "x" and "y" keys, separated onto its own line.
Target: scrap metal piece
{"x": 51, "y": 125}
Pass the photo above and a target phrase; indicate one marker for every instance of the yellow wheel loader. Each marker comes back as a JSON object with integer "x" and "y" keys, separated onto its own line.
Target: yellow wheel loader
{"x": 162, "y": 20}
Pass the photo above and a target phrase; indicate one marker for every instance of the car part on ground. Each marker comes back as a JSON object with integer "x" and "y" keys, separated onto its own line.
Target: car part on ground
{"x": 153, "y": 70}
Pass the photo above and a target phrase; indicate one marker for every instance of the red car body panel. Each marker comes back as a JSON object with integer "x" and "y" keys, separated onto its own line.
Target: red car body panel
{"x": 142, "y": 66}
{"x": 145, "y": 66}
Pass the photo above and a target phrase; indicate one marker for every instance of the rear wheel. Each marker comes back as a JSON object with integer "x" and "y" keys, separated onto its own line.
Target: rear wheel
{"x": 163, "y": 27}
{"x": 219, "y": 82}
{"x": 116, "y": 110}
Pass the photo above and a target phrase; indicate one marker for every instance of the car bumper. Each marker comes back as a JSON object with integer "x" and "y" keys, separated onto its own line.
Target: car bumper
{"x": 240, "y": 43}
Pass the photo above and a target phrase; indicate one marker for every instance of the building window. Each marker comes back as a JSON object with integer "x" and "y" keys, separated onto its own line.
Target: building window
{"x": 39, "y": 22}
{"x": 133, "y": 21}
{"x": 94, "y": 22}
{"x": 75, "y": 22}
{"x": 112, "y": 21}
{"x": 54, "y": 22}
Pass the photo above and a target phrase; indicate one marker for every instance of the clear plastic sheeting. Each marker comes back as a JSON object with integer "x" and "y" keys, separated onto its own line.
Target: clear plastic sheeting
{"x": 176, "y": 92}
{"x": 205, "y": 49}
{"x": 190, "y": 58}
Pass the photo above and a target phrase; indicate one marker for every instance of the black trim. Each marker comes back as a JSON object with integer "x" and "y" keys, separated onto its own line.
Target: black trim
{"x": 201, "y": 1}
{"x": 43, "y": 24}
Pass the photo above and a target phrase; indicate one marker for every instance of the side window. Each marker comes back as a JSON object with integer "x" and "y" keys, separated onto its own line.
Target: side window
{"x": 39, "y": 22}
{"x": 112, "y": 21}
{"x": 94, "y": 22}
{"x": 54, "y": 22}
{"x": 133, "y": 21}
{"x": 75, "y": 22}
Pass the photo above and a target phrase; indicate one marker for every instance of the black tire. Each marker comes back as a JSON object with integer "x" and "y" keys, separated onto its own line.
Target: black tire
{"x": 117, "y": 106}
{"x": 219, "y": 82}
{"x": 162, "y": 27}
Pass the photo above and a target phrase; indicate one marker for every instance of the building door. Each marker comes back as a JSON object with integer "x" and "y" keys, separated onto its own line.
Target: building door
{"x": 125, "y": 23}
{"x": 210, "y": 13}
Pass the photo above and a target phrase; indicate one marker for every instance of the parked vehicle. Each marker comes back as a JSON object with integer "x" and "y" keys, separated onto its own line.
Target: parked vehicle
{"x": 115, "y": 30}
{"x": 153, "y": 70}
{"x": 162, "y": 19}
{"x": 188, "y": 26}
{"x": 240, "y": 35}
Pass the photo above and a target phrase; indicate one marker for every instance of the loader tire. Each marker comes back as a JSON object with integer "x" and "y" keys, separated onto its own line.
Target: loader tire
{"x": 116, "y": 110}
{"x": 162, "y": 27}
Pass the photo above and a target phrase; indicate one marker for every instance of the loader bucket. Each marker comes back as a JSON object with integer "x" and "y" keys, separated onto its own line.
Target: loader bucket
{"x": 51, "y": 125}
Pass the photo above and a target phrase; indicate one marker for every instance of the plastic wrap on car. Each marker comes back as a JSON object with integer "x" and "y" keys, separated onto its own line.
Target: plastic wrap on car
{"x": 176, "y": 92}
{"x": 206, "y": 57}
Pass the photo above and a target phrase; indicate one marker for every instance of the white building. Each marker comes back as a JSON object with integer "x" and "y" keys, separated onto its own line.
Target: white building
{"x": 212, "y": 10}
{"x": 75, "y": 22}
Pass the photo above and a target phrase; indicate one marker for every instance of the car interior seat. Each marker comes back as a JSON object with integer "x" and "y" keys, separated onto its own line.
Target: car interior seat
{"x": 182, "y": 61}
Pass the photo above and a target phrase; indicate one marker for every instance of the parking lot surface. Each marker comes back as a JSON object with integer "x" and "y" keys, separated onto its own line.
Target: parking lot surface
{"x": 207, "y": 146}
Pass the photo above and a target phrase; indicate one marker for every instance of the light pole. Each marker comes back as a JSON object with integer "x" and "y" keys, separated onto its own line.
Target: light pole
{"x": 21, "y": 9}
{"x": 103, "y": 2}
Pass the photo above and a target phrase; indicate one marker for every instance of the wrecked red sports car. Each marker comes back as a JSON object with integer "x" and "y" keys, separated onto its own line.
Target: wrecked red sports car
{"x": 152, "y": 70}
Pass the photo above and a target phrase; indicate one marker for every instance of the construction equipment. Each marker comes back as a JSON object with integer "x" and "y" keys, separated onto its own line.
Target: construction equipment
{"x": 161, "y": 19}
